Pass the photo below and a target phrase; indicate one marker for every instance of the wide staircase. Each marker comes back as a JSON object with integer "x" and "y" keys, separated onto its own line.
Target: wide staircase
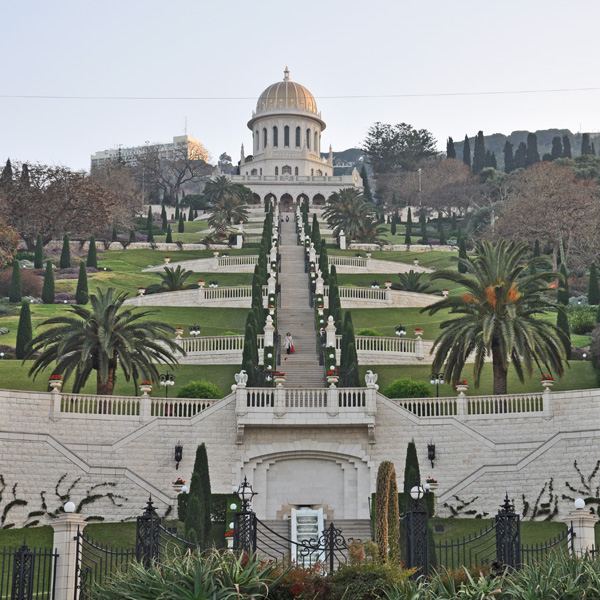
{"x": 295, "y": 315}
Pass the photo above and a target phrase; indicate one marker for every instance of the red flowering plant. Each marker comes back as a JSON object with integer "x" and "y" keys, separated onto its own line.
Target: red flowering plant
{"x": 430, "y": 480}
{"x": 332, "y": 372}
{"x": 418, "y": 329}
{"x": 56, "y": 377}
{"x": 146, "y": 383}
{"x": 460, "y": 382}
{"x": 229, "y": 533}
{"x": 279, "y": 374}
{"x": 178, "y": 481}
{"x": 546, "y": 378}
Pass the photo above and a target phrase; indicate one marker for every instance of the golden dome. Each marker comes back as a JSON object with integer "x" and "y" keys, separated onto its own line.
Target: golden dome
{"x": 286, "y": 95}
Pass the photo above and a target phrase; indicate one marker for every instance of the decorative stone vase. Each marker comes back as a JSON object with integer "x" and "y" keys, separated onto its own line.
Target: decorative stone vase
{"x": 547, "y": 384}
{"x": 178, "y": 332}
{"x": 388, "y": 285}
{"x": 178, "y": 487}
{"x": 418, "y": 333}
{"x": 146, "y": 389}
{"x": 271, "y": 310}
{"x": 461, "y": 389}
{"x": 56, "y": 384}
{"x": 445, "y": 292}
{"x": 201, "y": 283}
{"x": 416, "y": 262}
{"x": 332, "y": 380}
{"x": 215, "y": 253}
{"x": 433, "y": 487}
{"x": 279, "y": 381}
{"x": 167, "y": 260}
{"x": 141, "y": 291}
{"x": 229, "y": 540}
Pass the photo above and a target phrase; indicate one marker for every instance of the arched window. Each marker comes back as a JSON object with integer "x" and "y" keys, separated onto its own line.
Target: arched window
{"x": 297, "y": 137}
{"x": 275, "y": 137}
{"x": 308, "y": 138}
{"x": 296, "y": 171}
{"x": 286, "y": 170}
{"x": 276, "y": 170}
{"x": 316, "y": 146}
{"x": 319, "y": 173}
{"x": 256, "y": 142}
{"x": 264, "y": 137}
{"x": 253, "y": 172}
{"x": 286, "y": 136}
{"x": 312, "y": 172}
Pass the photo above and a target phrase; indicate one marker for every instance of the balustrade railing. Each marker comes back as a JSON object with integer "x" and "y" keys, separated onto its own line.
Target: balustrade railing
{"x": 501, "y": 405}
{"x": 430, "y": 407}
{"x": 366, "y": 343}
{"x": 347, "y": 261}
{"x": 358, "y": 293}
{"x": 100, "y": 405}
{"x": 225, "y": 293}
{"x": 178, "y": 407}
{"x": 221, "y": 343}
{"x": 306, "y": 398}
{"x": 232, "y": 261}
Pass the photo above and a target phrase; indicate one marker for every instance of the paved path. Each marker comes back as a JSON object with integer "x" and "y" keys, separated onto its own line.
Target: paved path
{"x": 295, "y": 315}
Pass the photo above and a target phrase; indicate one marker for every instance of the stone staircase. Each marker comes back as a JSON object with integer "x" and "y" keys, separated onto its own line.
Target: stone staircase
{"x": 353, "y": 529}
{"x": 302, "y": 368}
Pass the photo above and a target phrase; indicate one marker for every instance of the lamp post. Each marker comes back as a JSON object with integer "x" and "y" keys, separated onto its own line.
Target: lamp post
{"x": 195, "y": 330}
{"x": 244, "y": 532}
{"x": 436, "y": 379}
{"x": 417, "y": 539}
{"x": 167, "y": 379}
{"x": 400, "y": 330}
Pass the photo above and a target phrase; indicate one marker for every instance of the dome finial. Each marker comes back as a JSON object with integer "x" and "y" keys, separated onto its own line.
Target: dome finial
{"x": 286, "y": 73}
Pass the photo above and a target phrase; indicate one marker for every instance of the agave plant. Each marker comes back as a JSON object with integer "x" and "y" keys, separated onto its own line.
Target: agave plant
{"x": 411, "y": 282}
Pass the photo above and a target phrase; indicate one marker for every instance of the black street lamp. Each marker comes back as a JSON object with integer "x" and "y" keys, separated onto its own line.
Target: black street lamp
{"x": 400, "y": 330}
{"x": 195, "y": 330}
{"x": 436, "y": 379}
{"x": 167, "y": 379}
{"x": 246, "y": 493}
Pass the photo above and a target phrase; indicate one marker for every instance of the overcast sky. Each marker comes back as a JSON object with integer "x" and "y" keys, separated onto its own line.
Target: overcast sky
{"x": 229, "y": 52}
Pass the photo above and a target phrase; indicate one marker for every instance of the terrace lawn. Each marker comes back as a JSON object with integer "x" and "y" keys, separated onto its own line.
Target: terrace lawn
{"x": 580, "y": 376}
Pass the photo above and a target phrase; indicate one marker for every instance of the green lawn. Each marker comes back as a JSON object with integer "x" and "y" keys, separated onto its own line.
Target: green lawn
{"x": 580, "y": 376}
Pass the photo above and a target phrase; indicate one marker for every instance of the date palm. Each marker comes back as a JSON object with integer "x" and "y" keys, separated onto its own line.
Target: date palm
{"x": 101, "y": 338}
{"x": 227, "y": 211}
{"x": 217, "y": 189}
{"x": 369, "y": 231}
{"x": 345, "y": 211}
{"x": 174, "y": 279}
{"x": 498, "y": 316}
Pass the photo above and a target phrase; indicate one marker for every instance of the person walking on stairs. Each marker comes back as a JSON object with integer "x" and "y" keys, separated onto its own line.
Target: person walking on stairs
{"x": 289, "y": 343}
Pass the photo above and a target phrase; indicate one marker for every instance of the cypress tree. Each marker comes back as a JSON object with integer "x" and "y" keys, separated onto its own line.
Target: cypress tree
{"x": 352, "y": 362}
{"x": 490, "y": 160}
{"x": 181, "y": 225}
{"x": 453, "y": 224}
{"x": 536, "y": 249}
{"x": 65, "y": 255}
{"x": 150, "y": 235}
{"x": 7, "y": 174}
{"x": 38, "y": 259}
{"x": 408, "y": 227}
{"x": 366, "y": 187}
{"x": 509, "y": 161}
{"x": 114, "y": 235}
{"x": 394, "y": 200}
{"x": 324, "y": 262}
{"x": 562, "y": 322}
{"x": 316, "y": 232}
{"x": 81, "y": 295}
{"x": 169, "y": 238}
{"x": 412, "y": 472}
{"x": 163, "y": 216}
{"x": 194, "y": 514}
{"x": 566, "y": 142}
{"x": 14, "y": 293}
{"x": 563, "y": 294}
{"x": 450, "y": 150}
{"x": 441, "y": 232}
{"x": 520, "y": 159}
{"x": 593, "y": 150}
{"x": 200, "y": 486}
{"x": 533, "y": 156}
{"x": 48, "y": 287}
{"x": 191, "y": 214}
{"x": 557, "y": 148}
{"x": 467, "y": 152}
{"x": 423, "y": 221}
{"x": 132, "y": 236}
{"x": 393, "y": 225}
{"x": 177, "y": 212}
{"x": 92, "y": 257}
{"x": 593, "y": 288}
{"x": 24, "y": 330}
{"x": 462, "y": 253}
{"x": 585, "y": 144}
{"x": 479, "y": 153}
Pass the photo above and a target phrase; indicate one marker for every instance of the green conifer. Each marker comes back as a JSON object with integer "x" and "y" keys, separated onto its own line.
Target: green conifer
{"x": 408, "y": 227}
{"x": 366, "y": 187}
{"x": 479, "y": 153}
{"x": 177, "y": 212}
{"x": 462, "y": 253}
{"x": 81, "y": 295}
{"x": 163, "y": 216}
{"x": 38, "y": 259}
{"x": 450, "y": 150}
{"x": 114, "y": 235}
{"x": 509, "y": 161}
{"x": 412, "y": 472}
{"x": 14, "y": 293}
{"x": 441, "y": 232}
{"x": 150, "y": 234}
{"x": 393, "y": 225}
{"x": 533, "y": 156}
{"x": 191, "y": 214}
{"x": 423, "y": 221}
{"x": 181, "y": 224}
{"x": 48, "y": 287}
{"x": 65, "y": 255}
{"x": 467, "y": 152}
{"x": 194, "y": 514}
{"x": 557, "y": 148}
{"x": 520, "y": 158}
{"x": 92, "y": 256}
{"x": 585, "y": 144}
{"x": 169, "y": 238}
{"x": 566, "y": 142}
{"x": 24, "y": 330}
{"x": 132, "y": 236}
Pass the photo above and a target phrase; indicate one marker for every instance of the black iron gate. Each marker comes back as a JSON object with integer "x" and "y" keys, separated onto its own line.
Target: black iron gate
{"x": 26, "y": 574}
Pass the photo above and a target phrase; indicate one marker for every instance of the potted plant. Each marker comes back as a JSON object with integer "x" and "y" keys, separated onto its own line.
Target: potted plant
{"x": 547, "y": 381}
{"x": 141, "y": 291}
{"x": 433, "y": 483}
{"x": 418, "y": 332}
{"x": 146, "y": 387}
{"x": 178, "y": 484}
{"x": 167, "y": 260}
{"x": 461, "y": 386}
{"x": 56, "y": 382}
{"x": 279, "y": 378}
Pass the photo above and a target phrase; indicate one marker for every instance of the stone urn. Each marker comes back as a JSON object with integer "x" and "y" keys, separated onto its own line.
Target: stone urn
{"x": 279, "y": 381}
{"x": 461, "y": 389}
{"x": 332, "y": 380}
{"x": 388, "y": 284}
{"x": 178, "y": 332}
{"x": 178, "y": 487}
{"x": 56, "y": 385}
{"x": 433, "y": 486}
{"x": 146, "y": 389}
{"x": 418, "y": 333}
{"x": 416, "y": 262}
{"x": 229, "y": 540}
{"x": 201, "y": 283}
{"x": 547, "y": 384}
{"x": 167, "y": 260}
{"x": 141, "y": 291}
{"x": 445, "y": 292}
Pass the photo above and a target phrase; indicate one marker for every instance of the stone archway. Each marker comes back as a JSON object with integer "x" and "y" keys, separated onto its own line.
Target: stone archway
{"x": 256, "y": 199}
{"x": 286, "y": 203}
{"x": 270, "y": 200}
{"x": 318, "y": 200}
{"x": 301, "y": 199}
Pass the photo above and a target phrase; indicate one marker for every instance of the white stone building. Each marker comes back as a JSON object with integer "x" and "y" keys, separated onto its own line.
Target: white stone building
{"x": 286, "y": 165}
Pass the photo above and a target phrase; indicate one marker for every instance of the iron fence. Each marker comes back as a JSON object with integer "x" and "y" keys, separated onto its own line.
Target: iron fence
{"x": 560, "y": 543}
{"x": 27, "y": 573}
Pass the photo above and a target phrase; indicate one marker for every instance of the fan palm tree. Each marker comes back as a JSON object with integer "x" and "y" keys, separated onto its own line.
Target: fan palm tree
{"x": 498, "y": 316}
{"x": 101, "y": 338}
{"x": 345, "y": 211}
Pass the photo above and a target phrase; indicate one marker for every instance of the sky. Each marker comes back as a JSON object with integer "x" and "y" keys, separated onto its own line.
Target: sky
{"x": 450, "y": 67}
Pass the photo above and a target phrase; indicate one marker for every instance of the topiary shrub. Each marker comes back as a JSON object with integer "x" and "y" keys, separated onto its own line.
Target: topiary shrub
{"x": 200, "y": 389}
{"x": 406, "y": 387}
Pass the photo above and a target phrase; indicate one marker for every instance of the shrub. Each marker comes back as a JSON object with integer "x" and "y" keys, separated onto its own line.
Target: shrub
{"x": 200, "y": 389}
{"x": 406, "y": 387}
{"x": 31, "y": 284}
{"x": 65, "y": 255}
{"x": 15, "y": 293}
{"x": 81, "y": 294}
{"x": 369, "y": 332}
{"x": 24, "y": 330}
{"x": 368, "y": 580}
{"x": 304, "y": 583}
{"x": 92, "y": 257}
{"x": 582, "y": 319}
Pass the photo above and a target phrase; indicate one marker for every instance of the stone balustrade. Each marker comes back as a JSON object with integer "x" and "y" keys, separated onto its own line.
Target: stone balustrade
{"x": 235, "y": 261}
{"x": 348, "y": 261}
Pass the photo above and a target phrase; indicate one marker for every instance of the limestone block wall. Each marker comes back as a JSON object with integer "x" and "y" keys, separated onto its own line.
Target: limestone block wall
{"x": 300, "y": 460}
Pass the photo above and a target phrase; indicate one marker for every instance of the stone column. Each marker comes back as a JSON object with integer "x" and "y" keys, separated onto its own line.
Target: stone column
{"x": 65, "y": 534}
{"x": 271, "y": 283}
{"x": 312, "y": 254}
{"x": 330, "y": 332}
{"x": 269, "y": 331}
{"x": 239, "y": 241}
{"x": 279, "y": 410}
{"x": 342, "y": 240}
{"x": 56, "y": 402}
{"x": 583, "y": 529}
{"x": 333, "y": 403}
{"x": 273, "y": 254}
{"x": 145, "y": 408}
{"x": 369, "y": 263}
{"x": 419, "y": 352}
{"x": 319, "y": 288}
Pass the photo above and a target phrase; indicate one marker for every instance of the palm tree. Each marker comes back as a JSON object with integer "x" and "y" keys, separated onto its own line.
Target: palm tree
{"x": 369, "y": 231}
{"x": 498, "y": 316}
{"x": 174, "y": 279}
{"x": 221, "y": 187}
{"x": 100, "y": 339}
{"x": 411, "y": 282}
{"x": 345, "y": 211}
{"x": 227, "y": 211}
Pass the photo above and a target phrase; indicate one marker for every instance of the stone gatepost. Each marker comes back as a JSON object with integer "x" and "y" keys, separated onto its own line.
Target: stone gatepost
{"x": 269, "y": 331}
{"x": 583, "y": 528}
{"x": 419, "y": 351}
{"x": 369, "y": 263}
{"x": 65, "y": 541}
{"x": 333, "y": 402}
{"x": 239, "y": 241}
{"x": 279, "y": 409}
{"x": 342, "y": 240}
{"x": 319, "y": 287}
{"x": 273, "y": 254}
{"x": 312, "y": 254}
{"x": 330, "y": 332}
